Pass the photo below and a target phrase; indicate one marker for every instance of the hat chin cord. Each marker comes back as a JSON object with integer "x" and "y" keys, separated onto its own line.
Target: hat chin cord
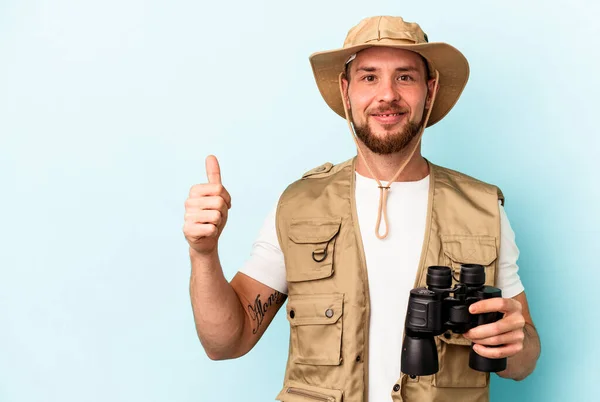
{"x": 383, "y": 190}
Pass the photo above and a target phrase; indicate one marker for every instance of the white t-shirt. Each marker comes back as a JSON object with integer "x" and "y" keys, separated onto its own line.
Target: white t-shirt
{"x": 392, "y": 265}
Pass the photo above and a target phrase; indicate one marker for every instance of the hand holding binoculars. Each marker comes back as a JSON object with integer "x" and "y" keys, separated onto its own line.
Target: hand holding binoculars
{"x": 441, "y": 307}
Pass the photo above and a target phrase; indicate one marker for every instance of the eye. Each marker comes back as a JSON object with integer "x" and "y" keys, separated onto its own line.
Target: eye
{"x": 405, "y": 78}
{"x": 369, "y": 78}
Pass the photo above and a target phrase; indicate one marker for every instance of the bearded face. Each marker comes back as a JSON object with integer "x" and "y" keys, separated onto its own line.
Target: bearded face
{"x": 386, "y": 93}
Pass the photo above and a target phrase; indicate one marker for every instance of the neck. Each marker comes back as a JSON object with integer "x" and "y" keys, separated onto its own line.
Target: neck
{"x": 385, "y": 167}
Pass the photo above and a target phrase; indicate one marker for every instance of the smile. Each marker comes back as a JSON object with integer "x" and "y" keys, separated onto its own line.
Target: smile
{"x": 388, "y": 118}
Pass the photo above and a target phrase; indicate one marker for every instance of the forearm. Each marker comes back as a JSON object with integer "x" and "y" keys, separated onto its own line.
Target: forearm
{"x": 218, "y": 313}
{"x": 523, "y": 363}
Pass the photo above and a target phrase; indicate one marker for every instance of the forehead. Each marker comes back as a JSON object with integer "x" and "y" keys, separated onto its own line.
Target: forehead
{"x": 374, "y": 56}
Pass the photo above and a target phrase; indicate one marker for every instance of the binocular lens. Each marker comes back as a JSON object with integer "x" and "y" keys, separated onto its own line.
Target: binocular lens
{"x": 472, "y": 274}
{"x": 439, "y": 277}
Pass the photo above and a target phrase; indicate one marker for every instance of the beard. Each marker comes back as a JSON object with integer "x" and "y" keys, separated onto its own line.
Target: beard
{"x": 392, "y": 142}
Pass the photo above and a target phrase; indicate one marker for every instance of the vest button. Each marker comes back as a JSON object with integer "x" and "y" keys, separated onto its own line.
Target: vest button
{"x": 396, "y": 388}
{"x": 329, "y": 313}
{"x": 358, "y": 359}
{"x": 292, "y": 314}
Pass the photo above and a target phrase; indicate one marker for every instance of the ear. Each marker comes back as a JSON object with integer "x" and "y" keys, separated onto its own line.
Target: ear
{"x": 345, "y": 86}
{"x": 431, "y": 84}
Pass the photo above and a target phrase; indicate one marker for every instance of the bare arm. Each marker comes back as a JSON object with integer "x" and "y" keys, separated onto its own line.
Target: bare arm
{"x": 230, "y": 317}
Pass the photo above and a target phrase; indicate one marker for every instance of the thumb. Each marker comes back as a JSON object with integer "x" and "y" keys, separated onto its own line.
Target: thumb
{"x": 213, "y": 171}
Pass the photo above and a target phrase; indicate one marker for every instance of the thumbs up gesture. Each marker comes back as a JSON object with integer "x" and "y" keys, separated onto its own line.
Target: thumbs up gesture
{"x": 206, "y": 210}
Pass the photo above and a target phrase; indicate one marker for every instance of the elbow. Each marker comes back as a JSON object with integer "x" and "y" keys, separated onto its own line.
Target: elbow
{"x": 214, "y": 353}
{"x": 223, "y": 354}
{"x": 216, "y": 356}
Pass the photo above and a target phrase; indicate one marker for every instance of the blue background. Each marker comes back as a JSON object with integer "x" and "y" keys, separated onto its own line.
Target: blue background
{"x": 108, "y": 109}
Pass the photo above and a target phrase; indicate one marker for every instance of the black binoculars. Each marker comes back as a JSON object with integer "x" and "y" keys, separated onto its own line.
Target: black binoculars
{"x": 439, "y": 308}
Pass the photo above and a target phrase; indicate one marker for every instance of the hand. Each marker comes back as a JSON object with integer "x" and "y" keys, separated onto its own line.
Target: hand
{"x": 206, "y": 210}
{"x": 507, "y": 331}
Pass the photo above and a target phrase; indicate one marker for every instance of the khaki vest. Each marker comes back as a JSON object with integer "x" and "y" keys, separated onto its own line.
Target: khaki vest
{"x": 328, "y": 296}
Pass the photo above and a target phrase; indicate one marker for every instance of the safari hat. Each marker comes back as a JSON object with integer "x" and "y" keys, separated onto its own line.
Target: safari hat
{"x": 388, "y": 31}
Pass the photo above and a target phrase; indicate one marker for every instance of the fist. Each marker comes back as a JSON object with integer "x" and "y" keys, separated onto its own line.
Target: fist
{"x": 206, "y": 210}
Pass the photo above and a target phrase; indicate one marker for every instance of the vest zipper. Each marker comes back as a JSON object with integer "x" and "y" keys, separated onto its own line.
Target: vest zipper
{"x": 310, "y": 394}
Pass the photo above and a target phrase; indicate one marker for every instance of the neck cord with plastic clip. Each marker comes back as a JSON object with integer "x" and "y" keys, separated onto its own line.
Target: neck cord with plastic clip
{"x": 383, "y": 190}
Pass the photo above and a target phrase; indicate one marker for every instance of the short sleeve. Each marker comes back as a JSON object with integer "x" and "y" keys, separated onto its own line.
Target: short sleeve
{"x": 266, "y": 263}
{"x": 508, "y": 279}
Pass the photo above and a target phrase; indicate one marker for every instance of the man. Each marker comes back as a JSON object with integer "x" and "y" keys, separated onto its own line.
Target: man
{"x": 345, "y": 248}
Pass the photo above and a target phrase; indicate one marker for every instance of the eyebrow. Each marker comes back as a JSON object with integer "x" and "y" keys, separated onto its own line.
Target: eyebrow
{"x": 399, "y": 69}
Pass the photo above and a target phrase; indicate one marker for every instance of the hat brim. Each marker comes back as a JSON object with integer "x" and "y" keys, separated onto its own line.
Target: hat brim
{"x": 447, "y": 60}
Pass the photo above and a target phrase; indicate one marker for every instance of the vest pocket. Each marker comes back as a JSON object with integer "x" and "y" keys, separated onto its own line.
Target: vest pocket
{"x": 316, "y": 328}
{"x": 454, "y": 372}
{"x": 298, "y": 392}
{"x": 311, "y": 249}
{"x": 470, "y": 249}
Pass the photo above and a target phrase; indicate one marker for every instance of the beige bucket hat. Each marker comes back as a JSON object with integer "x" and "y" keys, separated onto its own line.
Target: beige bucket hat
{"x": 450, "y": 63}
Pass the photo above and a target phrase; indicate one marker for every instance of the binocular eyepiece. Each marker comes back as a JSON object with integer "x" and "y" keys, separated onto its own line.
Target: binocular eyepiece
{"x": 441, "y": 307}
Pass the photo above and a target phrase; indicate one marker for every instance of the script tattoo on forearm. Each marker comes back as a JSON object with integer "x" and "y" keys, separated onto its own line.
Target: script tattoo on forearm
{"x": 259, "y": 309}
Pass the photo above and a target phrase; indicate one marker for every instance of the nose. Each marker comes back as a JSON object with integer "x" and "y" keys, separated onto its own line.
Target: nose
{"x": 388, "y": 91}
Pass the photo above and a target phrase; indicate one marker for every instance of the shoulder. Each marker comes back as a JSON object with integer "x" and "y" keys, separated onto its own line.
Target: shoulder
{"x": 461, "y": 181}
{"x": 316, "y": 181}
{"x": 325, "y": 170}
{"x": 447, "y": 174}
{"x": 322, "y": 175}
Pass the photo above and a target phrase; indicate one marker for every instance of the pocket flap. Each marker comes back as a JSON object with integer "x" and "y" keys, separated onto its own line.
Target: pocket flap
{"x": 298, "y": 392}
{"x": 469, "y": 249}
{"x": 319, "y": 309}
{"x": 314, "y": 230}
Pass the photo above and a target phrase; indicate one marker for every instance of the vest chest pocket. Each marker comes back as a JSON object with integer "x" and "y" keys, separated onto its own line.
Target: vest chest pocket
{"x": 311, "y": 249}
{"x": 470, "y": 249}
{"x": 316, "y": 328}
